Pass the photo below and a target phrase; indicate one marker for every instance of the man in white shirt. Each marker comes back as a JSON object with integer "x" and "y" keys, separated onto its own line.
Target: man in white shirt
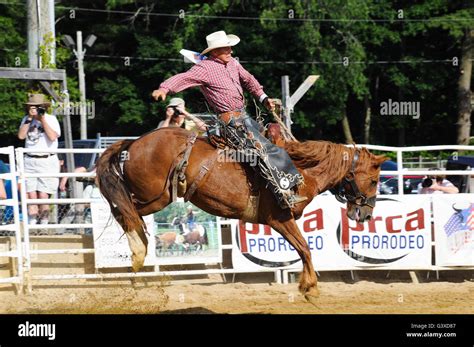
{"x": 40, "y": 131}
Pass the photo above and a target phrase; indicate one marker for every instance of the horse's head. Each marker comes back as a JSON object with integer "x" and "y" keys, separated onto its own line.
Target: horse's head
{"x": 359, "y": 186}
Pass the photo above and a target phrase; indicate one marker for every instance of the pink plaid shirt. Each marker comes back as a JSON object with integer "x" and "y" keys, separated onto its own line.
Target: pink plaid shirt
{"x": 220, "y": 83}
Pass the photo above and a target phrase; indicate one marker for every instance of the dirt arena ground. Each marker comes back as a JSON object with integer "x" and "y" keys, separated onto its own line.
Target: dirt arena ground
{"x": 451, "y": 294}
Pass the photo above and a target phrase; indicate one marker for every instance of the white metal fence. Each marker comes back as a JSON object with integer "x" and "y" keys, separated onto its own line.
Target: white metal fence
{"x": 12, "y": 223}
{"x": 403, "y": 171}
{"x": 23, "y": 252}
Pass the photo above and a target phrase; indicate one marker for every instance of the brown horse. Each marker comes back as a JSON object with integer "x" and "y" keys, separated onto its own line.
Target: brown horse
{"x": 197, "y": 236}
{"x": 167, "y": 241}
{"x": 194, "y": 239}
{"x": 187, "y": 242}
{"x": 143, "y": 187}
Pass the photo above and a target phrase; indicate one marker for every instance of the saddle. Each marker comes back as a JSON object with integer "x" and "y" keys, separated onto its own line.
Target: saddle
{"x": 220, "y": 135}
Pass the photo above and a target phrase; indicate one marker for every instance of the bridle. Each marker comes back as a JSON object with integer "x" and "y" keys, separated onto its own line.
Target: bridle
{"x": 354, "y": 196}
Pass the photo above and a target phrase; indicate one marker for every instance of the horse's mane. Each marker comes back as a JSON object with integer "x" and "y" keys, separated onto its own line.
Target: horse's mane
{"x": 324, "y": 155}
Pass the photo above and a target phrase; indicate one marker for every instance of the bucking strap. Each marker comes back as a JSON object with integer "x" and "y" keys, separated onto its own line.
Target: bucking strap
{"x": 179, "y": 172}
{"x": 205, "y": 168}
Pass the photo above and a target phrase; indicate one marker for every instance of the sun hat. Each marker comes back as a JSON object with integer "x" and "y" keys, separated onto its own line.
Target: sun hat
{"x": 176, "y": 102}
{"x": 37, "y": 100}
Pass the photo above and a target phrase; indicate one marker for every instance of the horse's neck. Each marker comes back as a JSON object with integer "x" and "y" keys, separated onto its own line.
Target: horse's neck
{"x": 330, "y": 174}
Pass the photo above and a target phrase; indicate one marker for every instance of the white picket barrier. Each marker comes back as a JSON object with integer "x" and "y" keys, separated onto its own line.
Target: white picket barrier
{"x": 28, "y": 251}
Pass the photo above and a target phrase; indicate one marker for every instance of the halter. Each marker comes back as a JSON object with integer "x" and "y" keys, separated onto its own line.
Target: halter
{"x": 355, "y": 196}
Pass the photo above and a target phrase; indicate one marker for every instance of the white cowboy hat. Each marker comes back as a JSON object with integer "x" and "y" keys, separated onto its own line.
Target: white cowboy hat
{"x": 220, "y": 39}
{"x": 176, "y": 102}
{"x": 37, "y": 100}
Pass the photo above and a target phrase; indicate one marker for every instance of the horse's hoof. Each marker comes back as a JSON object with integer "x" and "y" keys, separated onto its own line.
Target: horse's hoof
{"x": 312, "y": 296}
{"x": 137, "y": 263}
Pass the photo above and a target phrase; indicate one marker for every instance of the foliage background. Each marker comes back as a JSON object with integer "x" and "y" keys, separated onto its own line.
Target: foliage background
{"x": 402, "y": 60}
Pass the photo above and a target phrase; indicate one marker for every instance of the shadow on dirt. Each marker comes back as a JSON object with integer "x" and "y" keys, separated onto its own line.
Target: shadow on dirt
{"x": 191, "y": 310}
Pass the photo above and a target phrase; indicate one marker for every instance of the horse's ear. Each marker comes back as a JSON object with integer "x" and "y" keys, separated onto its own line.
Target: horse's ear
{"x": 379, "y": 159}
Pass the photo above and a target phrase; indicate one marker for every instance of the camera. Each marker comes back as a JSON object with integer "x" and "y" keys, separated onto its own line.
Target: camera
{"x": 41, "y": 111}
{"x": 427, "y": 182}
{"x": 176, "y": 111}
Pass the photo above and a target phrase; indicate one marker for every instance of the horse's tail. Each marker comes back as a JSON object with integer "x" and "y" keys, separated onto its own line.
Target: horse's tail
{"x": 113, "y": 187}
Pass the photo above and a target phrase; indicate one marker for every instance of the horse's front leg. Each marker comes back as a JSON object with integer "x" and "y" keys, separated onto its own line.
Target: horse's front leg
{"x": 308, "y": 281}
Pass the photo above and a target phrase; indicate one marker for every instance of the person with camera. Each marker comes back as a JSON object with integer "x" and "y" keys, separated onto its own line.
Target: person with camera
{"x": 40, "y": 130}
{"x": 437, "y": 184}
{"x": 176, "y": 114}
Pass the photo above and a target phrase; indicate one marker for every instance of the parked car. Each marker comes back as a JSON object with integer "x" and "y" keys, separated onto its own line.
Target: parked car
{"x": 389, "y": 184}
{"x": 86, "y": 160}
{"x": 460, "y": 163}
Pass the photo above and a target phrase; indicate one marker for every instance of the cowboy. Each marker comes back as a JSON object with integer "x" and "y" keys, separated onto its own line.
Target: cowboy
{"x": 40, "y": 130}
{"x": 190, "y": 218}
{"x": 222, "y": 79}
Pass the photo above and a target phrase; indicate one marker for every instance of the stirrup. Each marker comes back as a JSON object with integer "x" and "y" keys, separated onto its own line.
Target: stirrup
{"x": 289, "y": 199}
{"x": 296, "y": 199}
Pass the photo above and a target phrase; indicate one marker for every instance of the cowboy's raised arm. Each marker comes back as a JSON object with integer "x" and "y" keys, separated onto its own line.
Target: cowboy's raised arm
{"x": 253, "y": 86}
{"x": 196, "y": 76}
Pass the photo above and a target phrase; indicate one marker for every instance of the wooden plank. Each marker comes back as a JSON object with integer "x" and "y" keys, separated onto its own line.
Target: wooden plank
{"x": 302, "y": 89}
{"x": 51, "y": 91}
{"x": 32, "y": 74}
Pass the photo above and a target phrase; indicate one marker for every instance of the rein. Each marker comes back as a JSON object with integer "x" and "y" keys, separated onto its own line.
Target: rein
{"x": 354, "y": 196}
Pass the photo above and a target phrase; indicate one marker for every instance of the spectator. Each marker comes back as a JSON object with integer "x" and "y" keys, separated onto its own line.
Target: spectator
{"x": 436, "y": 185}
{"x": 40, "y": 130}
{"x": 176, "y": 114}
{"x": 6, "y": 192}
{"x": 64, "y": 180}
{"x": 3, "y": 192}
{"x": 4, "y": 183}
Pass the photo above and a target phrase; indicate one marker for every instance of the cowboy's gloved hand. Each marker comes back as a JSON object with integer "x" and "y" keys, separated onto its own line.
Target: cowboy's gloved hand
{"x": 269, "y": 104}
{"x": 159, "y": 94}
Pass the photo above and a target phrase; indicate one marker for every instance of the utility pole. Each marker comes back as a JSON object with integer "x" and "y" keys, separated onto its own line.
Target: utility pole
{"x": 40, "y": 15}
{"x": 32, "y": 32}
{"x": 49, "y": 25}
{"x": 82, "y": 84}
{"x": 79, "y": 52}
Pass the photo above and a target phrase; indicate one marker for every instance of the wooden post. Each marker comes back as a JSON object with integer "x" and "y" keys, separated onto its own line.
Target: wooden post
{"x": 289, "y": 101}
{"x": 286, "y": 101}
